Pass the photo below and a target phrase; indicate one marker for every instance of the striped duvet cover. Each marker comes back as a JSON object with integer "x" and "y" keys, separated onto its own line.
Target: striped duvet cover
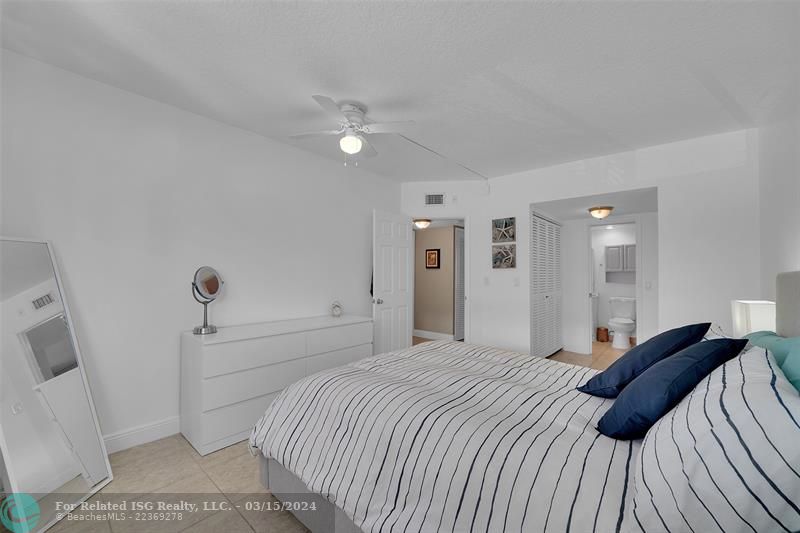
{"x": 725, "y": 459}
{"x": 447, "y": 436}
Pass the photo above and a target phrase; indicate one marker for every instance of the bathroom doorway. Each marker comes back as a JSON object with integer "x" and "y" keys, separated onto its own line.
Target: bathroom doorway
{"x": 613, "y": 278}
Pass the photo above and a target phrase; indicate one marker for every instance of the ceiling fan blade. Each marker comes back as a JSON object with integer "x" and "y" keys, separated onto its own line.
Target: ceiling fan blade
{"x": 330, "y": 107}
{"x": 388, "y": 127}
{"x": 367, "y": 150}
{"x": 312, "y": 134}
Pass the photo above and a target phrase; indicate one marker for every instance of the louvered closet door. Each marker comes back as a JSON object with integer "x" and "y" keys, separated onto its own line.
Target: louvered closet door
{"x": 545, "y": 286}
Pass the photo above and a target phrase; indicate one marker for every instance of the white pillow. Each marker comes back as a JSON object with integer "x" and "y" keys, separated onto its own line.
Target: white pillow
{"x": 727, "y": 458}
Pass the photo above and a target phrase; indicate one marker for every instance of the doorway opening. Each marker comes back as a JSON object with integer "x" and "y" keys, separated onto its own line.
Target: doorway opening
{"x": 612, "y": 260}
{"x": 439, "y": 281}
{"x": 613, "y": 276}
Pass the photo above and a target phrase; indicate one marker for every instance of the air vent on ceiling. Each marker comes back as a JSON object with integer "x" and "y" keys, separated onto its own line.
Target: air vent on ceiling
{"x": 42, "y": 301}
{"x": 434, "y": 199}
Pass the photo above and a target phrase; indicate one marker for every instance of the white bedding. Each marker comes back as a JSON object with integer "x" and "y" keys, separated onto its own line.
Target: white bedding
{"x": 726, "y": 458}
{"x": 448, "y": 436}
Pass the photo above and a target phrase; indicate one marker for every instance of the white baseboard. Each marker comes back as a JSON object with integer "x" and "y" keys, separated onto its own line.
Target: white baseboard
{"x": 432, "y": 335}
{"x": 128, "y": 438}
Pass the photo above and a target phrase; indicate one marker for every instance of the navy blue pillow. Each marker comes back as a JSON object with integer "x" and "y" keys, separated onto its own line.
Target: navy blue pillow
{"x": 663, "y": 386}
{"x": 610, "y": 382}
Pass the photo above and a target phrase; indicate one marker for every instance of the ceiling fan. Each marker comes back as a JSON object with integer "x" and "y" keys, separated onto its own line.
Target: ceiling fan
{"x": 354, "y": 127}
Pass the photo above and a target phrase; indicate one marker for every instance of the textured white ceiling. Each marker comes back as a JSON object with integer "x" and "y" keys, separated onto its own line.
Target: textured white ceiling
{"x": 500, "y": 87}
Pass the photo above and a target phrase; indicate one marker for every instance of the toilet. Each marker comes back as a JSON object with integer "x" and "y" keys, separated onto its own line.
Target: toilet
{"x": 623, "y": 321}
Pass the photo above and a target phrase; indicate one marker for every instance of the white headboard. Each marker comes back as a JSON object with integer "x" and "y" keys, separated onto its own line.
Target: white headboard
{"x": 788, "y": 304}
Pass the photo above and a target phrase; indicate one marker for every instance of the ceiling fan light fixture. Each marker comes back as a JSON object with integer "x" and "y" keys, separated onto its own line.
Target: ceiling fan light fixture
{"x": 422, "y": 223}
{"x": 601, "y": 211}
{"x": 350, "y": 144}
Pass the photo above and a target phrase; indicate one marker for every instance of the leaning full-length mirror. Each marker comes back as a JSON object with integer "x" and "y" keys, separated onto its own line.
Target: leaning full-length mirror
{"x": 52, "y": 448}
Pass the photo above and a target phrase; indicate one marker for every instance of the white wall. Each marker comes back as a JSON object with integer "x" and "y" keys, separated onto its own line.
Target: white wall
{"x": 779, "y": 169}
{"x": 647, "y": 320}
{"x": 708, "y": 228}
{"x": 135, "y": 195}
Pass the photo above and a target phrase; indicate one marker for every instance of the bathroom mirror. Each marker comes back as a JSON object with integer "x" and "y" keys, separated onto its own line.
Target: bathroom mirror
{"x": 50, "y": 441}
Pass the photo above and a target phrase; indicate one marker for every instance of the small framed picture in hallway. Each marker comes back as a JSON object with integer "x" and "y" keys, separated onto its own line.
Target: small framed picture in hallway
{"x": 432, "y": 258}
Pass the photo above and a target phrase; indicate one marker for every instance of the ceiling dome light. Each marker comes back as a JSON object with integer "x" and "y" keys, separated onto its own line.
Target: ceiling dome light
{"x": 350, "y": 144}
{"x": 601, "y": 211}
{"x": 422, "y": 223}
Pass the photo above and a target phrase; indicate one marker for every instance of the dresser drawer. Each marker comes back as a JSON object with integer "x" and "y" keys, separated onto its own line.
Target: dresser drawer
{"x": 325, "y": 361}
{"x": 229, "y": 379}
{"x": 233, "y": 419}
{"x": 239, "y": 386}
{"x": 229, "y": 357}
{"x": 329, "y": 339}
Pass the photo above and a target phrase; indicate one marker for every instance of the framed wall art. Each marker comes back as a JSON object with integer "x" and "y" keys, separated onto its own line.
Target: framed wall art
{"x": 504, "y": 229}
{"x": 504, "y": 256}
{"x": 432, "y": 258}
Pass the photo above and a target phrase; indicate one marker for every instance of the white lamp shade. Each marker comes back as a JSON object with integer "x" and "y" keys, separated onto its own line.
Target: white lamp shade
{"x": 752, "y": 315}
{"x": 350, "y": 144}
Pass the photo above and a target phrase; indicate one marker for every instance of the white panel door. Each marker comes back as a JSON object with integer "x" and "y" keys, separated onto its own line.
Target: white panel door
{"x": 392, "y": 300}
{"x": 545, "y": 287}
{"x": 458, "y": 285}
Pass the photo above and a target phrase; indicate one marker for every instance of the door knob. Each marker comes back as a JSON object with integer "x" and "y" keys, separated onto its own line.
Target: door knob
{"x": 377, "y": 301}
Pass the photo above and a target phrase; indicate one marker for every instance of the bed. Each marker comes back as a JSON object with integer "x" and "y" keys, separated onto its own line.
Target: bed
{"x": 447, "y": 436}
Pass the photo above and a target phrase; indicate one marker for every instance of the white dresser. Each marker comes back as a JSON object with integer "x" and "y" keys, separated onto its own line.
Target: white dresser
{"x": 229, "y": 378}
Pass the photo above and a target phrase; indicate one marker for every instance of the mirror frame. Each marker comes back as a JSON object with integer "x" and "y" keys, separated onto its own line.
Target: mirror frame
{"x": 74, "y": 338}
{"x": 200, "y": 290}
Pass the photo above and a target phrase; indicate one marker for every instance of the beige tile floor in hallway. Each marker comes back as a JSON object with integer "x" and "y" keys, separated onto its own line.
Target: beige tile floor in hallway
{"x": 602, "y": 356}
{"x": 171, "y": 470}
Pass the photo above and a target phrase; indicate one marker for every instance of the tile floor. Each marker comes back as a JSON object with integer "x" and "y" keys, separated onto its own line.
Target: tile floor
{"x": 602, "y": 356}
{"x": 170, "y": 470}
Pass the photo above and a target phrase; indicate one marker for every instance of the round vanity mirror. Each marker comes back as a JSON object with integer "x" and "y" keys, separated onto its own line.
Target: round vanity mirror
{"x": 206, "y": 287}
{"x": 208, "y": 283}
